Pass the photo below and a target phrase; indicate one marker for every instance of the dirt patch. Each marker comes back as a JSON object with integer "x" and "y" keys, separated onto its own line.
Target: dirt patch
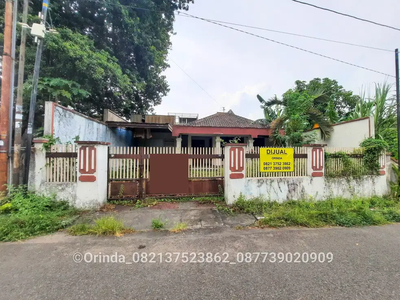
{"x": 165, "y": 205}
{"x": 205, "y": 205}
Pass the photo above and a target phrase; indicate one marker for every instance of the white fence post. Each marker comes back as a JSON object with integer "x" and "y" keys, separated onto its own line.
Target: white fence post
{"x": 234, "y": 171}
{"x": 92, "y": 174}
{"x": 37, "y": 168}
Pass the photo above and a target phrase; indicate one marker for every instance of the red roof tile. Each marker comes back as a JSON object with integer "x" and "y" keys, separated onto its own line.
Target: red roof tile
{"x": 226, "y": 119}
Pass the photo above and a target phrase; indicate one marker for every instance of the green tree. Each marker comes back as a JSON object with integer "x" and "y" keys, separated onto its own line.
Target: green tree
{"x": 298, "y": 114}
{"x": 334, "y": 98}
{"x": 114, "y": 50}
{"x": 382, "y": 106}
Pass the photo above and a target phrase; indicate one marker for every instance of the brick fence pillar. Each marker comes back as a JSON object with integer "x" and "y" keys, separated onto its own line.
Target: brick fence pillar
{"x": 234, "y": 171}
{"x": 315, "y": 160}
{"x": 92, "y": 174}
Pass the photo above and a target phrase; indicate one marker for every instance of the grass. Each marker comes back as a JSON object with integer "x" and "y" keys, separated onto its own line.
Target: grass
{"x": 334, "y": 212}
{"x": 179, "y": 227}
{"x": 103, "y": 226}
{"x": 24, "y": 214}
{"x": 157, "y": 224}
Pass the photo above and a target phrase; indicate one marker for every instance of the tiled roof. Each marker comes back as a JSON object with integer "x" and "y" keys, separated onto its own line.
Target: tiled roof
{"x": 226, "y": 119}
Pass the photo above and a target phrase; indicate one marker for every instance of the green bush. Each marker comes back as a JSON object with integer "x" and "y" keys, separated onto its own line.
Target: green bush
{"x": 26, "y": 214}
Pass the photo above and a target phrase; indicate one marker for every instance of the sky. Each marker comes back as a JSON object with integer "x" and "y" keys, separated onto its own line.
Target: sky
{"x": 232, "y": 67}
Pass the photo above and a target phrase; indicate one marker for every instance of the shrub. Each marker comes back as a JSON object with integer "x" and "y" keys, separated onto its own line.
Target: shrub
{"x": 26, "y": 214}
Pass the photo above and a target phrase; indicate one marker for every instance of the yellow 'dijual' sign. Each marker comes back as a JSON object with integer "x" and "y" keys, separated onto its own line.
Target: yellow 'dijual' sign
{"x": 276, "y": 159}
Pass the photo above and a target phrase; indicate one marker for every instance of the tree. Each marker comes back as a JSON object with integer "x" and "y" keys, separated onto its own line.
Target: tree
{"x": 114, "y": 50}
{"x": 298, "y": 114}
{"x": 334, "y": 99}
{"x": 382, "y": 106}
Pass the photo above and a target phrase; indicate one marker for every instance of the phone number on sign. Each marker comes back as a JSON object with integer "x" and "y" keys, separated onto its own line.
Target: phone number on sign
{"x": 238, "y": 258}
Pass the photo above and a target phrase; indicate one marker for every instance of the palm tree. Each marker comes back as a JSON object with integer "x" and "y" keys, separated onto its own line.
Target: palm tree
{"x": 381, "y": 106}
{"x": 297, "y": 114}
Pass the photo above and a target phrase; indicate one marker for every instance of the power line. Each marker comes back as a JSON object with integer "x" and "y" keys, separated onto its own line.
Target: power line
{"x": 291, "y": 46}
{"x": 347, "y": 15}
{"x": 296, "y": 34}
{"x": 194, "y": 81}
{"x": 181, "y": 14}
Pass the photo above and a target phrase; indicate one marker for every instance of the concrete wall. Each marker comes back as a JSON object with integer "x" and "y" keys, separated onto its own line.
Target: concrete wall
{"x": 316, "y": 188}
{"x": 110, "y": 116}
{"x": 82, "y": 194}
{"x": 348, "y": 134}
{"x": 67, "y": 124}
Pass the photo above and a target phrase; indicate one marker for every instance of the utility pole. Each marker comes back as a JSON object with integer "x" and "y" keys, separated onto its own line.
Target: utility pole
{"x": 11, "y": 108}
{"x": 32, "y": 106}
{"x": 398, "y": 111}
{"x": 19, "y": 104}
{"x": 5, "y": 93}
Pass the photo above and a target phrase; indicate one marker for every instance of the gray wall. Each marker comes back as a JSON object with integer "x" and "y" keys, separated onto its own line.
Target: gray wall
{"x": 66, "y": 124}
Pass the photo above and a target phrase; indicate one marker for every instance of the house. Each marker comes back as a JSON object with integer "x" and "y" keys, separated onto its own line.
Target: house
{"x": 173, "y": 130}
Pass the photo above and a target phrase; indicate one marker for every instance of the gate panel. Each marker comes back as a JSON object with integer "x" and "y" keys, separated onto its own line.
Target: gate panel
{"x": 169, "y": 174}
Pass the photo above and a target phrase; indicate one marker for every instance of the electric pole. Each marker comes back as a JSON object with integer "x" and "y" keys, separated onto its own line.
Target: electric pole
{"x": 32, "y": 106}
{"x": 19, "y": 104}
{"x": 398, "y": 109}
{"x": 5, "y": 93}
{"x": 11, "y": 108}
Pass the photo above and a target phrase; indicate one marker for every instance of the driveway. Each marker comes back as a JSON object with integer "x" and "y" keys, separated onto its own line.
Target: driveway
{"x": 365, "y": 265}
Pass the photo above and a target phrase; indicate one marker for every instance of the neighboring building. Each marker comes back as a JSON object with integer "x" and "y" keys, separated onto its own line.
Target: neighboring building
{"x": 173, "y": 130}
{"x": 348, "y": 134}
{"x": 222, "y": 126}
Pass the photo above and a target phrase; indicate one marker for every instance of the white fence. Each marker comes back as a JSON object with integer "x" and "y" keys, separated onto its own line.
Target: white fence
{"x": 61, "y": 169}
{"x": 253, "y": 165}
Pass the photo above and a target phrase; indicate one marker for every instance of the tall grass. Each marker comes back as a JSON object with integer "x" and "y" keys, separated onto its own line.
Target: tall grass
{"x": 334, "y": 212}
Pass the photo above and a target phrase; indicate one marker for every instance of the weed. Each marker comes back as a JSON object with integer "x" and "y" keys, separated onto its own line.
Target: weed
{"x": 103, "y": 226}
{"x": 157, "y": 224}
{"x": 224, "y": 209}
{"x": 26, "y": 214}
{"x": 333, "y": 212}
{"x": 179, "y": 227}
{"x": 80, "y": 229}
{"x": 108, "y": 226}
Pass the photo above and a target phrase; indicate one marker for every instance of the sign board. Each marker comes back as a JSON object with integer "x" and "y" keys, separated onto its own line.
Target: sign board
{"x": 276, "y": 159}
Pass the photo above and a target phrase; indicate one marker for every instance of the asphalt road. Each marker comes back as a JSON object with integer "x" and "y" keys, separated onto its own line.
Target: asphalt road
{"x": 366, "y": 265}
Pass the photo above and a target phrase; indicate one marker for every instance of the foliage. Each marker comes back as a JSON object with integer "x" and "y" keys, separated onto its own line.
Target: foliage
{"x": 179, "y": 227}
{"x": 382, "y": 106}
{"x": 334, "y": 212}
{"x": 52, "y": 140}
{"x": 30, "y": 214}
{"x": 335, "y": 102}
{"x": 108, "y": 54}
{"x": 103, "y": 226}
{"x": 157, "y": 224}
{"x": 347, "y": 167}
{"x": 373, "y": 150}
{"x": 298, "y": 114}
